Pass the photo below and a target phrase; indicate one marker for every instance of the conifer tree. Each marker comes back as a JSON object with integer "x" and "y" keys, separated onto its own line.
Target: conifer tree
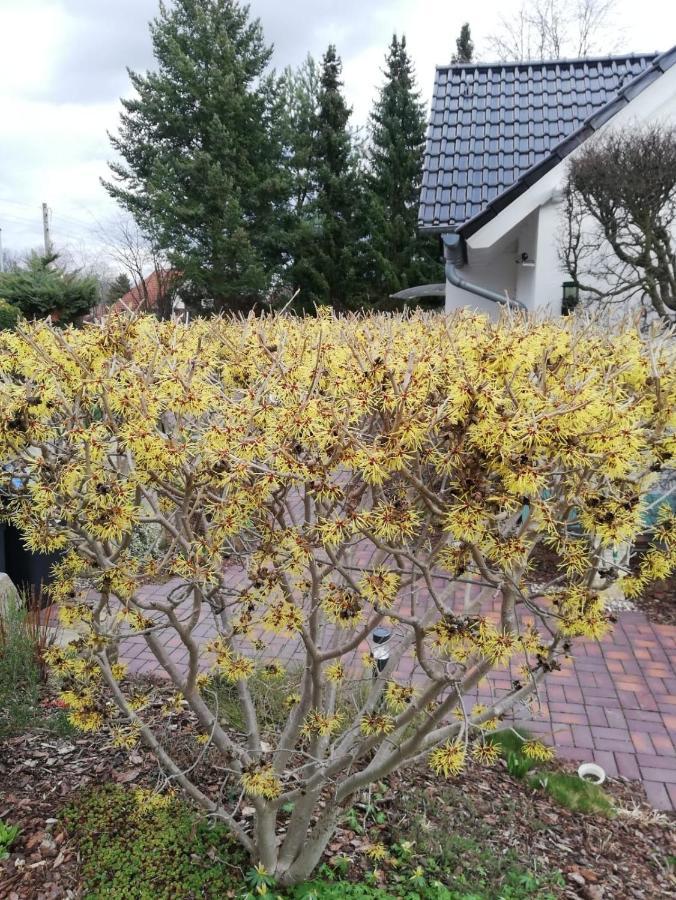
{"x": 399, "y": 256}
{"x": 464, "y": 46}
{"x": 328, "y": 234}
{"x": 200, "y": 165}
{"x": 118, "y": 287}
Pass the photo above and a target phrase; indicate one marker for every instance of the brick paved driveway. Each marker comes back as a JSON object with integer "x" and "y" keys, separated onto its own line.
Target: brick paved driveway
{"x": 617, "y": 707}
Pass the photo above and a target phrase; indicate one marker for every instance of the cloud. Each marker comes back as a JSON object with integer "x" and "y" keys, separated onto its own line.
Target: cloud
{"x": 100, "y": 38}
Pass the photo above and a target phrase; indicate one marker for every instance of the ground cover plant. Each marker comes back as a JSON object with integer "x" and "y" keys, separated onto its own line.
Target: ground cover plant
{"x": 364, "y": 471}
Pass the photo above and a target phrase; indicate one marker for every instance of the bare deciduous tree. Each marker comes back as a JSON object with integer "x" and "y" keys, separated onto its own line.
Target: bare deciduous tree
{"x": 551, "y": 29}
{"x": 620, "y": 219}
{"x": 145, "y": 264}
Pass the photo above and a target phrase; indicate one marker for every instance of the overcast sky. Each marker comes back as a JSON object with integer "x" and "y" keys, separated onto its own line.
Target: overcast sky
{"x": 63, "y": 68}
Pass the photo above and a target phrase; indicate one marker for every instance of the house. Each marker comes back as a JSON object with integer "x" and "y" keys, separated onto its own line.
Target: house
{"x": 496, "y": 158}
{"x": 152, "y": 293}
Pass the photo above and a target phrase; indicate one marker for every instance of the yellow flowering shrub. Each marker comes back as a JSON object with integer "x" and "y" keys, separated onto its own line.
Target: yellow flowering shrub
{"x": 359, "y": 472}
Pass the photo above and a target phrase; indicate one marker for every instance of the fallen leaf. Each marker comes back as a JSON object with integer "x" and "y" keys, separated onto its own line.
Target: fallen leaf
{"x": 126, "y": 777}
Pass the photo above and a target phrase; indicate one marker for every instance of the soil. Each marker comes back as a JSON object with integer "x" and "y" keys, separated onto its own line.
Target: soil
{"x": 600, "y": 858}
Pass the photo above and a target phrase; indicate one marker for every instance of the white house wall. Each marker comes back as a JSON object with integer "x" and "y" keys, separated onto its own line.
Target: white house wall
{"x": 536, "y": 217}
{"x": 496, "y": 271}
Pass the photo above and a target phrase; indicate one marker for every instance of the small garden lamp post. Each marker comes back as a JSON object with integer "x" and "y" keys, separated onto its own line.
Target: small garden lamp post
{"x": 380, "y": 652}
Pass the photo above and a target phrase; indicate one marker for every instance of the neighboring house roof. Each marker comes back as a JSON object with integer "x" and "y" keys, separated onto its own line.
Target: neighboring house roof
{"x": 137, "y": 300}
{"x": 496, "y": 128}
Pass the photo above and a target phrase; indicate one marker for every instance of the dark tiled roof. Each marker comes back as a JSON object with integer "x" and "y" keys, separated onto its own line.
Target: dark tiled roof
{"x": 492, "y": 123}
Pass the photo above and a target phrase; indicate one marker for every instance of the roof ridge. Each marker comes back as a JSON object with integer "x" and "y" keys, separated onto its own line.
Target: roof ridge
{"x": 515, "y": 64}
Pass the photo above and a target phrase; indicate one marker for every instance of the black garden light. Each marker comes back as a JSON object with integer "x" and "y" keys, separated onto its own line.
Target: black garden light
{"x": 380, "y": 652}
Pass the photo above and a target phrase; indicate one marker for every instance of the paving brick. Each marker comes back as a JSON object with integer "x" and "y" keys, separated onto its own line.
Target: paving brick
{"x": 663, "y": 745}
{"x": 596, "y": 715}
{"x": 671, "y": 790}
{"x": 615, "y": 705}
{"x": 627, "y": 765}
{"x": 657, "y": 762}
{"x": 616, "y": 718}
{"x": 606, "y": 759}
{"x": 582, "y": 736}
{"x": 620, "y": 746}
{"x": 615, "y": 734}
{"x": 652, "y": 773}
{"x": 642, "y": 742}
{"x": 579, "y": 754}
{"x": 657, "y": 794}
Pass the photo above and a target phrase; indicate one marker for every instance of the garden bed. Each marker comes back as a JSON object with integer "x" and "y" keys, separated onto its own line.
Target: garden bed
{"x": 484, "y": 834}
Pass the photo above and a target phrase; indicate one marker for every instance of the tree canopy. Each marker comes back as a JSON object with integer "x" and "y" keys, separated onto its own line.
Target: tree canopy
{"x": 400, "y": 258}
{"x": 40, "y": 287}
{"x": 618, "y": 244}
{"x": 200, "y": 165}
{"x": 464, "y": 46}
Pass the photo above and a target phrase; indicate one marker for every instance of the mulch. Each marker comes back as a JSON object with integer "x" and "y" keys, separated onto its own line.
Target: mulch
{"x": 658, "y": 601}
{"x": 624, "y": 858}
{"x": 602, "y": 859}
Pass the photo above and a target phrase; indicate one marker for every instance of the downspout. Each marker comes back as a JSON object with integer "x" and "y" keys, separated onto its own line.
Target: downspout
{"x": 455, "y": 256}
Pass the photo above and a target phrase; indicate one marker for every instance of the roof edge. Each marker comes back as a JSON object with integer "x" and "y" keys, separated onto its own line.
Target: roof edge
{"x": 566, "y": 61}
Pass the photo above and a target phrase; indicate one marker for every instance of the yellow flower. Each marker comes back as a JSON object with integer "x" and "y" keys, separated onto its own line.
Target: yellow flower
{"x": 449, "y": 759}
{"x": 261, "y": 782}
{"x": 284, "y": 618}
{"x": 86, "y": 720}
{"x": 335, "y": 672}
{"x": 319, "y": 723}
{"x": 236, "y": 668}
{"x": 377, "y": 852}
{"x": 380, "y": 587}
{"x": 398, "y": 696}
{"x": 125, "y": 738}
{"x": 376, "y": 723}
{"x": 537, "y": 750}
{"x": 119, "y": 671}
{"x": 486, "y": 754}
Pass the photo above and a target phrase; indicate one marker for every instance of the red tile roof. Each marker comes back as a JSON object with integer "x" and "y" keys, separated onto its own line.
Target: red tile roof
{"x": 144, "y": 301}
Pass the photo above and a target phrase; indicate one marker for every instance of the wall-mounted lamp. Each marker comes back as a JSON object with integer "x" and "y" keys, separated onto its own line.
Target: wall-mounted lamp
{"x": 570, "y": 297}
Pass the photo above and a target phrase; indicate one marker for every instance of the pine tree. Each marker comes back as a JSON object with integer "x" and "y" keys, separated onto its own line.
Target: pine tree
{"x": 328, "y": 229}
{"x": 400, "y": 258}
{"x": 200, "y": 165}
{"x": 464, "y": 52}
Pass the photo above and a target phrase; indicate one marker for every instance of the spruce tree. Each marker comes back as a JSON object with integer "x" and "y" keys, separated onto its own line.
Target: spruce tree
{"x": 464, "y": 52}
{"x": 118, "y": 287}
{"x": 200, "y": 165}
{"x": 329, "y": 226}
{"x": 399, "y": 256}
{"x": 41, "y": 287}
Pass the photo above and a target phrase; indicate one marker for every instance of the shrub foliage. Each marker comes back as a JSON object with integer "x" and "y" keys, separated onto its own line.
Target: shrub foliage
{"x": 360, "y": 471}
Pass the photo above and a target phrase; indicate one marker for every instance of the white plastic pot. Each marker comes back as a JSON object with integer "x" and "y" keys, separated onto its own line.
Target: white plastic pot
{"x": 592, "y": 772}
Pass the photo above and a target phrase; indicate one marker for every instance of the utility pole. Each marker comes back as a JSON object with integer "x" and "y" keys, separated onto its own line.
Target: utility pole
{"x": 2, "y": 258}
{"x": 45, "y": 228}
